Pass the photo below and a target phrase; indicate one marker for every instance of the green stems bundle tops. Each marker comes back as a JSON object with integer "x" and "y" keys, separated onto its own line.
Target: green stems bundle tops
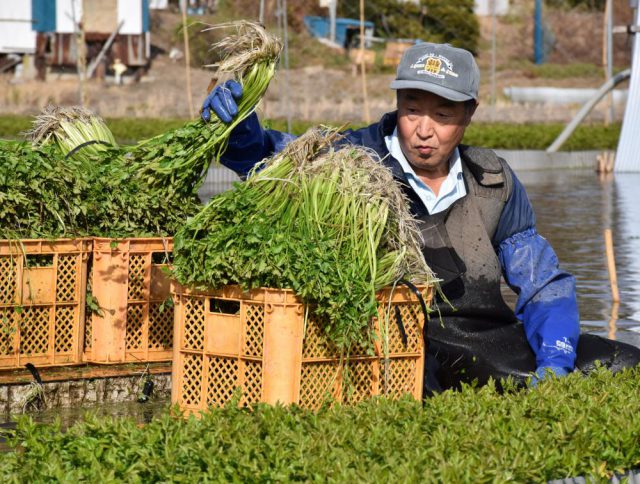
{"x": 330, "y": 224}
{"x": 72, "y": 130}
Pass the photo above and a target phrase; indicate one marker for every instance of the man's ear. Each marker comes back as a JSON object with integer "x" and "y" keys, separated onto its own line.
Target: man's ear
{"x": 470, "y": 111}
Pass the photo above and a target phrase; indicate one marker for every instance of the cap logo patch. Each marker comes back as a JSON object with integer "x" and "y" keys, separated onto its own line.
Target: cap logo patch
{"x": 434, "y": 65}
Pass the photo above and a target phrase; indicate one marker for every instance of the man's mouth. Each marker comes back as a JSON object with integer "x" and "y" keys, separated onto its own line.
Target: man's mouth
{"x": 425, "y": 150}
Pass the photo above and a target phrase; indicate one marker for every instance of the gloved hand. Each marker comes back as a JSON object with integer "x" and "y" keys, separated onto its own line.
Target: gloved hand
{"x": 546, "y": 372}
{"x": 222, "y": 100}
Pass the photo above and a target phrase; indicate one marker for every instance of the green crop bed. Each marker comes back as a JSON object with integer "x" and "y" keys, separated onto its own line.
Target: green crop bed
{"x": 564, "y": 428}
{"x": 490, "y": 135}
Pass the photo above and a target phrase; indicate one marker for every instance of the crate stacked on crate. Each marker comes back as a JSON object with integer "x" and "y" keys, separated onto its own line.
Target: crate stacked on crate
{"x": 42, "y": 301}
{"x": 262, "y": 344}
{"x": 129, "y": 283}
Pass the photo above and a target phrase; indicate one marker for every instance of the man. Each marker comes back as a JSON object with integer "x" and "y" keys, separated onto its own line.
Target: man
{"x": 477, "y": 225}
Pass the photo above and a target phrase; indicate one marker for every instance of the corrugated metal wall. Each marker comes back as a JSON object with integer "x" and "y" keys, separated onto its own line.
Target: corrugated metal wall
{"x": 628, "y": 153}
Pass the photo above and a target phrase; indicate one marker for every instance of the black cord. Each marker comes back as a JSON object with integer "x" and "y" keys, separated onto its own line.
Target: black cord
{"x": 86, "y": 143}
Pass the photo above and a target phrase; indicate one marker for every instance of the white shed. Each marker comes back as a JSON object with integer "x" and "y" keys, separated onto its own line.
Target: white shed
{"x": 16, "y": 34}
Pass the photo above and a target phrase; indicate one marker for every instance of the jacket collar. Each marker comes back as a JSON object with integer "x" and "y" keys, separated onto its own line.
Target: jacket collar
{"x": 373, "y": 137}
{"x": 379, "y": 131}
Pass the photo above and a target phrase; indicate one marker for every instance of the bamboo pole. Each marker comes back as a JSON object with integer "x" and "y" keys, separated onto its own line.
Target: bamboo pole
{"x": 187, "y": 56}
{"x": 611, "y": 265}
{"x": 365, "y": 98}
{"x": 612, "y": 321}
{"x": 285, "y": 27}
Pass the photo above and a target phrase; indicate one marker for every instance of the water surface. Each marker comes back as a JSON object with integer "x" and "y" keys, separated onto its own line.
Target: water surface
{"x": 573, "y": 207}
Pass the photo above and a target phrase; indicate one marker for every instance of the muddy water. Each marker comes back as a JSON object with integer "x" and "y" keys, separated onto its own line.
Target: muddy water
{"x": 140, "y": 413}
{"x": 573, "y": 208}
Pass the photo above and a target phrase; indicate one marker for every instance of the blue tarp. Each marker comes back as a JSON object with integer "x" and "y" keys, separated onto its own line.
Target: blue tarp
{"x": 320, "y": 27}
{"x": 44, "y": 15}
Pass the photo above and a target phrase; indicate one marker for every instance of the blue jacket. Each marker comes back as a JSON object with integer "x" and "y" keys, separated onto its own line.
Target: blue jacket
{"x": 546, "y": 303}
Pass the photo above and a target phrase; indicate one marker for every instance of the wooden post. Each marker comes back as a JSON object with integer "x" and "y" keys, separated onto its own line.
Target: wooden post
{"x": 611, "y": 265}
{"x": 187, "y": 56}
{"x": 81, "y": 52}
{"x": 365, "y": 98}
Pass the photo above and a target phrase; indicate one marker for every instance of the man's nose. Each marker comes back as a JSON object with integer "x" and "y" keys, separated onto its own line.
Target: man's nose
{"x": 425, "y": 127}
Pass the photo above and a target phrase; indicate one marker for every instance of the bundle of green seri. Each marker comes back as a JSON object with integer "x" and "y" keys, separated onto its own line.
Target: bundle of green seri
{"x": 74, "y": 180}
{"x": 329, "y": 223}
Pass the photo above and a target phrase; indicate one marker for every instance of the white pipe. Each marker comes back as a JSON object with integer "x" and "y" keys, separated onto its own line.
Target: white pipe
{"x": 577, "y": 119}
{"x": 558, "y": 95}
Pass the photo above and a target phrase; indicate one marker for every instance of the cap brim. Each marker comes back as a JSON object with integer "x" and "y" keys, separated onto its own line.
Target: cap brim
{"x": 444, "y": 92}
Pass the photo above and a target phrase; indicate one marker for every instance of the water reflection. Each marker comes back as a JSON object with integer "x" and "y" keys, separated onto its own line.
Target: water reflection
{"x": 573, "y": 208}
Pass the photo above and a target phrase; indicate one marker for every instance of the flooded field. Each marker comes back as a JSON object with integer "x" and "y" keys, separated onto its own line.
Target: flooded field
{"x": 573, "y": 207}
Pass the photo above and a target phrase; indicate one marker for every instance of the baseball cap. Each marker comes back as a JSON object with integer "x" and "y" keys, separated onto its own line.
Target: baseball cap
{"x": 442, "y": 69}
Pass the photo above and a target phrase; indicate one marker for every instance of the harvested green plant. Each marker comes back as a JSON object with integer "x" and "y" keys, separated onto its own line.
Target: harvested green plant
{"x": 179, "y": 159}
{"x": 73, "y": 130}
{"x": 329, "y": 223}
{"x": 74, "y": 180}
{"x": 40, "y": 192}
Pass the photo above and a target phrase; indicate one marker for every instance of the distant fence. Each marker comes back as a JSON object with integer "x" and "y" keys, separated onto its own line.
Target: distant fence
{"x": 218, "y": 180}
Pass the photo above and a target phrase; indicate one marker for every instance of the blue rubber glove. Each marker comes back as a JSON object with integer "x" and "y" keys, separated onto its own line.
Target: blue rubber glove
{"x": 222, "y": 100}
{"x": 545, "y": 373}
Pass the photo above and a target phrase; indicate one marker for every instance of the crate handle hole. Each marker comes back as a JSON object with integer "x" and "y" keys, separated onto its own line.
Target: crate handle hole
{"x": 39, "y": 260}
{"x": 161, "y": 258}
{"x": 224, "y": 306}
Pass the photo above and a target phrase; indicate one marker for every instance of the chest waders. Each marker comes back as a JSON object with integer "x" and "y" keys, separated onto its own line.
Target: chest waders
{"x": 476, "y": 335}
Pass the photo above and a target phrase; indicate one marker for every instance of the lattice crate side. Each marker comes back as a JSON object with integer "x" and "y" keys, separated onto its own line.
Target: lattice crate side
{"x": 282, "y": 359}
{"x": 233, "y": 344}
{"x": 46, "y": 311}
{"x": 400, "y": 369}
{"x": 227, "y": 328}
{"x": 399, "y": 311}
{"x": 322, "y": 376}
{"x": 207, "y": 371}
{"x": 187, "y": 371}
{"x": 88, "y": 339}
{"x": 149, "y": 319}
{"x": 123, "y": 282}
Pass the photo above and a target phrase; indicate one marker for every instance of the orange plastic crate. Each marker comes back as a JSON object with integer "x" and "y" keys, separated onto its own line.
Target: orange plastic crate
{"x": 42, "y": 301}
{"x": 135, "y": 322}
{"x": 257, "y": 342}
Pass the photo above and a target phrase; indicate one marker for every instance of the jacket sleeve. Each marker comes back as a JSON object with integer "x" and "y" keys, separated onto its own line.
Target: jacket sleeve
{"x": 547, "y": 303}
{"x": 249, "y": 144}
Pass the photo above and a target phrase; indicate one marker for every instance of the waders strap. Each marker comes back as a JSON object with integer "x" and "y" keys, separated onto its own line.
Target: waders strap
{"x": 34, "y": 373}
{"x": 403, "y": 333}
{"x": 423, "y": 305}
{"x": 431, "y": 385}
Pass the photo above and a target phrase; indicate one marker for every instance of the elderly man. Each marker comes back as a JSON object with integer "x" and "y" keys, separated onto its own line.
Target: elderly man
{"x": 477, "y": 224}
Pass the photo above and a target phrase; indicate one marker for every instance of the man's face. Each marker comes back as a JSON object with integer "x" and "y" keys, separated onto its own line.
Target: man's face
{"x": 429, "y": 128}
